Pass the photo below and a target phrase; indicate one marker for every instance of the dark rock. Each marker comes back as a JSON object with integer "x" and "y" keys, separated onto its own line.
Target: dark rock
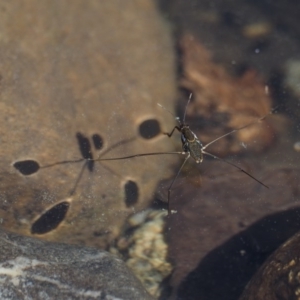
{"x": 278, "y": 278}
{"x": 34, "y": 269}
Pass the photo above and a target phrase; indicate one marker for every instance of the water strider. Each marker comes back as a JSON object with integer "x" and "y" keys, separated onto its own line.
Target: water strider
{"x": 191, "y": 146}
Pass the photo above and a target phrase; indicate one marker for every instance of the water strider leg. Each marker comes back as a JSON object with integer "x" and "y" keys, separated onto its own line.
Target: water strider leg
{"x": 170, "y": 187}
{"x": 72, "y": 192}
{"x": 235, "y": 130}
{"x": 232, "y": 164}
{"x": 137, "y": 155}
{"x": 171, "y": 133}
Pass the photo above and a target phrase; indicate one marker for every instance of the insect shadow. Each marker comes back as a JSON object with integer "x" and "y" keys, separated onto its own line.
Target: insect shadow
{"x": 192, "y": 147}
{"x": 29, "y": 167}
{"x": 53, "y": 216}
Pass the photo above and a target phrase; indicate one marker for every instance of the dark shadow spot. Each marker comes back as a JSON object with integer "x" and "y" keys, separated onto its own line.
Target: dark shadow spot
{"x": 27, "y": 167}
{"x": 98, "y": 141}
{"x": 85, "y": 149}
{"x": 50, "y": 219}
{"x": 131, "y": 193}
{"x": 149, "y": 129}
{"x": 84, "y": 146}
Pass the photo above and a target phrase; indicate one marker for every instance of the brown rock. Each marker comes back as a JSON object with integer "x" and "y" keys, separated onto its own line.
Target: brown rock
{"x": 222, "y": 103}
{"x": 80, "y": 69}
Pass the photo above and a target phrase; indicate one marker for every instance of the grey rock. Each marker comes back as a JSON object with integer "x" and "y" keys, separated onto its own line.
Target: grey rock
{"x": 35, "y": 269}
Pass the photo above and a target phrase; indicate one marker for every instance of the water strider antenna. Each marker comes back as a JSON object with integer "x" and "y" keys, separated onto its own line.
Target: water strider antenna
{"x": 176, "y": 118}
{"x": 189, "y": 100}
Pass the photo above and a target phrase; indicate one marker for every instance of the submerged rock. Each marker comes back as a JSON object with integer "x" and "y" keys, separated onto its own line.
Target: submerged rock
{"x": 77, "y": 85}
{"x": 143, "y": 247}
{"x": 34, "y": 269}
{"x": 279, "y": 277}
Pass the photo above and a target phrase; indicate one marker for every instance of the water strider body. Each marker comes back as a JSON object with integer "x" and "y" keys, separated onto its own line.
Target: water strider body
{"x": 190, "y": 142}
